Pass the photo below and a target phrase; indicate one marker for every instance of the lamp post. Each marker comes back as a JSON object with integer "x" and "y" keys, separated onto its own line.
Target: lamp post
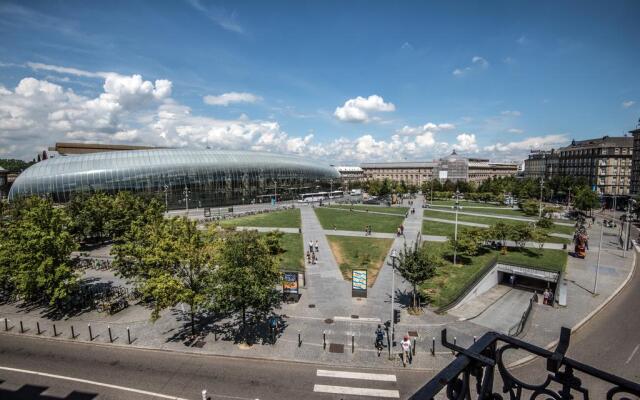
{"x": 166, "y": 201}
{"x": 330, "y": 190}
{"x": 455, "y": 233}
{"x": 625, "y": 242}
{"x": 540, "y": 207}
{"x": 186, "y": 198}
{"x": 595, "y": 283}
{"x": 394, "y": 255}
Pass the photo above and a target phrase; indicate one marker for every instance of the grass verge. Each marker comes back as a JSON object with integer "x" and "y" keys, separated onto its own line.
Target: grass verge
{"x": 275, "y": 219}
{"x": 355, "y": 221}
{"x": 364, "y": 207}
{"x": 293, "y": 257}
{"x": 359, "y": 253}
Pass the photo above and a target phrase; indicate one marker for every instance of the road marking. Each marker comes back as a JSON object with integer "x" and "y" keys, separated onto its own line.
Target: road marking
{"x": 356, "y": 375}
{"x": 633, "y": 353}
{"x": 356, "y": 319}
{"x": 94, "y": 383}
{"x": 356, "y": 391}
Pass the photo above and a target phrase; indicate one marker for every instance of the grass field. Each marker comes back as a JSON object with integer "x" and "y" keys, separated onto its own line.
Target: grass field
{"x": 275, "y": 219}
{"x": 355, "y": 221}
{"x": 359, "y": 253}
{"x": 451, "y": 280}
{"x": 491, "y": 211}
{"x": 293, "y": 257}
{"x": 364, "y": 207}
{"x": 447, "y": 229}
{"x": 466, "y": 203}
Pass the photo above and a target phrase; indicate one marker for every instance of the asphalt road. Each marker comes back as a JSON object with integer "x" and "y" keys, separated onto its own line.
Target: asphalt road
{"x": 178, "y": 375}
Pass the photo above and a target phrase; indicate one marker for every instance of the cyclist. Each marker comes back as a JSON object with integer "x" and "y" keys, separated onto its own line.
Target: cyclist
{"x": 379, "y": 339}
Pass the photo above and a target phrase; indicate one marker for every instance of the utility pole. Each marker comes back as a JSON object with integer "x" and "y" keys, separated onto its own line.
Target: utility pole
{"x": 455, "y": 233}
{"x": 595, "y": 283}
{"x": 541, "y": 187}
{"x": 166, "y": 201}
{"x": 394, "y": 255}
{"x": 186, "y": 199}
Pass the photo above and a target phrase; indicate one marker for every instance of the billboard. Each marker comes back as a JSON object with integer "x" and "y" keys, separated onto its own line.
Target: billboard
{"x": 359, "y": 283}
{"x": 290, "y": 282}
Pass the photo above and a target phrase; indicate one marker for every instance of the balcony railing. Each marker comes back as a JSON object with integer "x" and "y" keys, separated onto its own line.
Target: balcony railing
{"x": 471, "y": 375}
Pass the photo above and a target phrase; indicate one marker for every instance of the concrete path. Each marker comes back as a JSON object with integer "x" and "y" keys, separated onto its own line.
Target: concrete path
{"x": 448, "y": 221}
{"x": 498, "y": 216}
{"x": 267, "y": 229}
{"x": 368, "y": 212}
{"x": 505, "y": 312}
{"x": 477, "y": 305}
{"x": 380, "y": 235}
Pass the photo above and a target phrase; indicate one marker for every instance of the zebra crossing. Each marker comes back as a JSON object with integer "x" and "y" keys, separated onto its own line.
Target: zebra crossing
{"x": 357, "y": 384}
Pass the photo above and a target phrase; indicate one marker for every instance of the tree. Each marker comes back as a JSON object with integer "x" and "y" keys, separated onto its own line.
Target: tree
{"x": 172, "y": 262}
{"x": 469, "y": 241}
{"x": 128, "y": 207}
{"x": 500, "y": 231}
{"x": 539, "y": 236}
{"x": 248, "y": 274}
{"x": 90, "y": 215}
{"x": 530, "y": 207}
{"x": 521, "y": 234}
{"x": 416, "y": 264}
{"x": 585, "y": 199}
{"x": 35, "y": 250}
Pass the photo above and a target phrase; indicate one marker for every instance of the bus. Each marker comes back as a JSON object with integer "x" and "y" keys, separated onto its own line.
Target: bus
{"x": 313, "y": 197}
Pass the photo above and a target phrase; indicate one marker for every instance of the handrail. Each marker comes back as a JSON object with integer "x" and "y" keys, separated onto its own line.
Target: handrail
{"x": 518, "y": 327}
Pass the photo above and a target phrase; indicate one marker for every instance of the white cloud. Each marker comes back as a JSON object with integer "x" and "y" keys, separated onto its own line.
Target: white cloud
{"x": 68, "y": 71}
{"x": 511, "y": 113}
{"x": 477, "y": 63}
{"x": 224, "y": 19}
{"x": 515, "y": 130}
{"x": 358, "y": 109}
{"x": 466, "y": 142}
{"x": 230, "y": 98}
{"x": 532, "y": 143}
{"x": 628, "y": 103}
{"x": 522, "y": 40}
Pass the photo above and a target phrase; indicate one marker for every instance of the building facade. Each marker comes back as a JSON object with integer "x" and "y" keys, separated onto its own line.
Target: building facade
{"x": 635, "y": 163}
{"x": 350, "y": 174}
{"x": 202, "y": 178}
{"x": 541, "y": 164}
{"x": 482, "y": 169}
{"x": 410, "y": 172}
{"x": 604, "y": 162}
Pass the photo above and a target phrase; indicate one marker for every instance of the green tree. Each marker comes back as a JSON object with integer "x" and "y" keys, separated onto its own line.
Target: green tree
{"x": 416, "y": 264}
{"x": 470, "y": 241}
{"x": 248, "y": 274}
{"x": 172, "y": 262}
{"x": 90, "y": 214}
{"x": 35, "y": 250}
{"x": 127, "y": 208}
{"x": 521, "y": 234}
{"x": 500, "y": 231}
{"x": 530, "y": 207}
{"x": 539, "y": 236}
{"x": 585, "y": 199}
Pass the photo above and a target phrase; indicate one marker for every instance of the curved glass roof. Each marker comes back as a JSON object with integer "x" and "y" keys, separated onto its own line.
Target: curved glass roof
{"x": 68, "y": 173}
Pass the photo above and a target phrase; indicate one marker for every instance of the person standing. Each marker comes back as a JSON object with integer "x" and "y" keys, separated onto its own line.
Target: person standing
{"x": 406, "y": 350}
{"x": 311, "y": 246}
{"x": 317, "y": 247}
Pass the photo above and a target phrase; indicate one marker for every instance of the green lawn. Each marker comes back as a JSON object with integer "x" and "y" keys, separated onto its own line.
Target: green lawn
{"x": 468, "y": 218}
{"x": 446, "y": 229}
{"x": 359, "y": 253}
{"x": 465, "y": 203}
{"x": 355, "y": 221}
{"x": 364, "y": 207}
{"x": 491, "y": 211}
{"x": 275, "y": 219}
{"x": 451, "y": 280}
{"x": 293, "y": 257}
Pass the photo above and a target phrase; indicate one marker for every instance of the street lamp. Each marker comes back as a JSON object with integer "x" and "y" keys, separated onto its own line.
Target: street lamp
{"x": 625, "y": 242}
{"x": 186, "y": 193}
{"x": 455, "y": 233}
{"x": 540, "y": 207}
{"x": 394, "y": 255}
{"x": 595, "y": 282}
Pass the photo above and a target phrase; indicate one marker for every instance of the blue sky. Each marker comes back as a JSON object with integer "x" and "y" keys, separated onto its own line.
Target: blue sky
{"x": 338, "y": 81}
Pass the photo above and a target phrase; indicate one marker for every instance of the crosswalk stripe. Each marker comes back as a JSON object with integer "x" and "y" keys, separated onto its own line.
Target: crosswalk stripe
{"x": 356, "y": 391}
{"x": 356, "y": 375}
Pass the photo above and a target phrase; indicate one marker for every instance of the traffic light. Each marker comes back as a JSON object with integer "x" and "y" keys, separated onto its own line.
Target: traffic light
{"x": 396, "y": 316}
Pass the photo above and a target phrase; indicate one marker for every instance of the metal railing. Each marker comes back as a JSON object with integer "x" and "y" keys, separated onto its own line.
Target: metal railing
{"x": 517, "y": 329}
{"x": 472, "y": 374}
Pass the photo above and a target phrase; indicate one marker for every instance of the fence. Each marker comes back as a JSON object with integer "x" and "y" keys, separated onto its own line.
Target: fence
{"x": 517, "y": 329}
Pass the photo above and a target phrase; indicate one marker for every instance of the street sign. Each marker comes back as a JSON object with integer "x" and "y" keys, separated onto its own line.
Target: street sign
{"x": 359, "y": 283}
{"x": 290, "y": 282}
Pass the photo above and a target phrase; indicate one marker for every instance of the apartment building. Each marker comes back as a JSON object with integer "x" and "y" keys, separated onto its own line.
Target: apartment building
{"x": 605, "y": 162}
{"x": 635, "y": 164}
{"x": 410, "y": 172}
{"x": 541, "y": 163}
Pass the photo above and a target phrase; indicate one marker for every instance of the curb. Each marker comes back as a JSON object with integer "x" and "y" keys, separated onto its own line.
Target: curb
{"x": 589, "y": 316}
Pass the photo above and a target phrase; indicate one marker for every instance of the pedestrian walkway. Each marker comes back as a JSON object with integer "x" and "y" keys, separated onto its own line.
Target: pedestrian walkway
{"x": 448, "y": 221}
{"x": 267, "y": 229}
{"x": 474, "y": 307}
{"x": 359, "y": 384}
{"x": 380, "y": 235}
{"x": 505, "y": 312}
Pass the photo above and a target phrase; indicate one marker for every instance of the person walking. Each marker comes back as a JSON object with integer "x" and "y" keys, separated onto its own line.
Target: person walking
{"x": 311, "y": 246}
{"x": 402, "y": 229}
{"x": 545, "y": 297}
{"x": 406, "y": 350}
{"x": 317, "y": 247}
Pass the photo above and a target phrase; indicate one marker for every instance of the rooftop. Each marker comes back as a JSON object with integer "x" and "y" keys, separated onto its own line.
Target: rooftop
{"x": 605, "y": 141}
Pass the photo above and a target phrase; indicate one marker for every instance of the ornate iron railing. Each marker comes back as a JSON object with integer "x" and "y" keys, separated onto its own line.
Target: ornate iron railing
{"x": 472, "y": 374}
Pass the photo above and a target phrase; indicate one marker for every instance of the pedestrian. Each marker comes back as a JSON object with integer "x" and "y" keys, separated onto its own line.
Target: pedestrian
{"x": 308, "y": 257}
{"x": 310, "y": 246}
{"x": 545, "y": 297}
{"x": 366, "y": 230}
{"x": 402, "y": 229}
{"x": 398, "y": 232}
{"x": 406, "y": 350}
{"x": 317, "y": 247}
{"x": 512, "y": 280}
{"x": 551, "y": 297}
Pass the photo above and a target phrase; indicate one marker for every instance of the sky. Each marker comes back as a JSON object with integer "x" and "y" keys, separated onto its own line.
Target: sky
{"x": 340, "y": 82}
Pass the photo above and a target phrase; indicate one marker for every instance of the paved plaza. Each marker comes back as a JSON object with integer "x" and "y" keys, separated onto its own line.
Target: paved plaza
{"x": 329, "y": 326}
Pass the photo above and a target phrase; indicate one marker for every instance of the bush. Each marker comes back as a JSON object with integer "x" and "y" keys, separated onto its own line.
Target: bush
{"x": 544, "y": 223}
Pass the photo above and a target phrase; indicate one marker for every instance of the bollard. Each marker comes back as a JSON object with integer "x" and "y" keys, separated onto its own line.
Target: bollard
{"x": 215, "y": 335}
{"x": 21, "y": 327}
{"x": 110, "y": 337}
{"x": 204, "y": 395}
{"x": 433, "y": 346}
{"x": 324, "y": 340}
{"x": 413, "y": 349}
{"x": 474, "y": 339}
{"x": 299, "y": 339}
{"x": 128, "y": 335}
{"x": 454, "y": 343}
{"x": 353, "y": 344}
{"x": 38, "y": 327}
{"x": 73, "y": 333}
{"x": 6, "y": 324}
{"x": 90, "y": 333}
{"x": 55, "y": 333}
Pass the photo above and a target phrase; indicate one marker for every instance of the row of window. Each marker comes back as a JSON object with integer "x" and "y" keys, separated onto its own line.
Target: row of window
{"x": 598, "y": 151}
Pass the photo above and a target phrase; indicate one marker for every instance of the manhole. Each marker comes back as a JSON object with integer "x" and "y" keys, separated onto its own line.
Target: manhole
{"x": 199, "y": 344}
{"x": 312, "y": 306}
{"x": 336, "y": 348}
{"x": 413, "y": 333}
{"x": 355, "y": 316}
{"x": 328, "y": 321}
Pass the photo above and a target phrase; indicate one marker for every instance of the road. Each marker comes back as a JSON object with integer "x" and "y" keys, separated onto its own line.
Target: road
{"x": 177, "y": 375}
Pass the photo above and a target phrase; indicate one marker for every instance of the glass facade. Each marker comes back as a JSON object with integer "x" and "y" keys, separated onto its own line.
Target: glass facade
{"x": 208, "y": 177}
